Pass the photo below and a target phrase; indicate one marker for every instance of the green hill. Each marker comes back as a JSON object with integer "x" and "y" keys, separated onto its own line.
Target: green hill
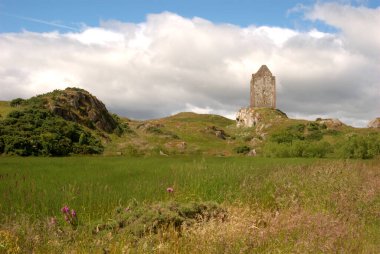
{"x": 62, "y": 117}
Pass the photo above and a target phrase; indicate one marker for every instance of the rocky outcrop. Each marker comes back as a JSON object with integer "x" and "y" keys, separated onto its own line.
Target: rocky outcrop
{"x": 265, "y": 117}
{"x": 219, "y": 133}
{"x": 80, "y": 106}
{"x": 375, "y": 123}
{"x": 330, "y": 122}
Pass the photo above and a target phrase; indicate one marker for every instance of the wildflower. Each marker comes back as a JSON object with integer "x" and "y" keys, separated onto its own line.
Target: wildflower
{"x": 70, "y": 216}
{"x": 65, "y": 209}
{"x": 170, "y": 189}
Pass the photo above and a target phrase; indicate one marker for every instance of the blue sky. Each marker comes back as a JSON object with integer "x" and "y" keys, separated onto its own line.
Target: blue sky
{"x": 41, "y": 15}
{"x": 150, "y": 59}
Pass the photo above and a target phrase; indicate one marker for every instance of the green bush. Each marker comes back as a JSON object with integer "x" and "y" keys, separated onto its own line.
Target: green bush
{"x": 16, "y": 102}
{"x": 242, "y": 149}
{"x": 360, "y": 147}
{"x": 39, "y": 132}
{"x": 297, "y": 149}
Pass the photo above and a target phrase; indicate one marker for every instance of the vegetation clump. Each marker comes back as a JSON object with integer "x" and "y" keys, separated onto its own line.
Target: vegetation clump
{"x": 141, "y": 219}
{"x": 38, "y": 132}
{"x": 242, "y": 149}
{"x": 360, "y": 147}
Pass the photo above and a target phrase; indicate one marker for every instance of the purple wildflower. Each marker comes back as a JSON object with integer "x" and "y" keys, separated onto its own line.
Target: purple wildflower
{"x": 73, "y": 213}
{"x": 65, "y": 209}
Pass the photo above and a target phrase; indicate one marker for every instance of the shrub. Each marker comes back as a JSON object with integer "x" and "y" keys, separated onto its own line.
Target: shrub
{"x": 39, "y": 132}
{"x": 360, "y": 147}
{"x": 242, "y": 149}
{"x": 16, "y": 102}
{"x": 297, "y": 149}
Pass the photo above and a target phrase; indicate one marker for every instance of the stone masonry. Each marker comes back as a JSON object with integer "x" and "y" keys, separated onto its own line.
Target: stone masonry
{"x": 263, "y": 89}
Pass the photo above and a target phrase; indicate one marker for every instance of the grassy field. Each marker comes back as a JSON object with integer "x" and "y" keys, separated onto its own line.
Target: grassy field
{"x": 271, "y": 205}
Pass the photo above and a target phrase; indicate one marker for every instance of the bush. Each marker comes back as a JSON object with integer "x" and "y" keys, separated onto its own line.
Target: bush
{"x": 242, "y": 149}
{"x": 360, "y": 147}
{"x": 16, "y": 102}
{"x": 39, "y": 132}
{"x": 297, "y": 149}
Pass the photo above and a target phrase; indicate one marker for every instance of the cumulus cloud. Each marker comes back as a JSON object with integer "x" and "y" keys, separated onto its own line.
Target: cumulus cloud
{"x": 169, "y": 64}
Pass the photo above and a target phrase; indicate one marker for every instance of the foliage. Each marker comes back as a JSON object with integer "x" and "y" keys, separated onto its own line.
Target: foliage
{"x": 140, "y": 219}
{"x": 38, "y": 132}
{"x": 312, "y": 131}
{"x": 242, "y": 149}
{"x": 16, "y": 102}
{"x": 297, "y": 149}
{"x": 122, "y": 127}
{"x": 360, "y": 147}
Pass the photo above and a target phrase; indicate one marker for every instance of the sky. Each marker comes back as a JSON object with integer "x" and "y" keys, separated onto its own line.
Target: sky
{"x": 150, "y": 59}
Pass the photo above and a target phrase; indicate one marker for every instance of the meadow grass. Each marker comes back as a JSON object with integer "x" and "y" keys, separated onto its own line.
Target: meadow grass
{"x": 274, "y": 205}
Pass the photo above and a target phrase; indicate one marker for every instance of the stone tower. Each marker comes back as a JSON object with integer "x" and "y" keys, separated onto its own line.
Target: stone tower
{"x": 263, "y": 89}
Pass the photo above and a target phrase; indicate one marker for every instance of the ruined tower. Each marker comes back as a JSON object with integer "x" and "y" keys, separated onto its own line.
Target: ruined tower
{"x": 263, "y": 89}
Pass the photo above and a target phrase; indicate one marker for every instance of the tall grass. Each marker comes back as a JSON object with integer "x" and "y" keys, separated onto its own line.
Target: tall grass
{"x": 274, "y": 205}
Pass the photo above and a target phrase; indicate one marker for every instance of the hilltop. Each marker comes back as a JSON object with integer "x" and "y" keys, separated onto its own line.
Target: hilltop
{"x": 59, "y": 123}
{"x": 271, "y": 133}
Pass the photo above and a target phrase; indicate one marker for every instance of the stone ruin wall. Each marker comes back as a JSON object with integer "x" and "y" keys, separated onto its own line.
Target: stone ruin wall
{"x": 263, "y": 89}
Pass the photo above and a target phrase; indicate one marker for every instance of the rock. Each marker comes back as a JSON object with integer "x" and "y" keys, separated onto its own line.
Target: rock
{"x": 259, "y": 117}
{"x": 330, "y": 122}
{"x": 252, "y": 153}
{"x": 148, "y": 126}
{"x": 219, "y": 133}
{"x": 80, "y": 106}
{"x": 177, "y": 144}
{"x": 163, "y": 154}
{"x": 119, "y": 153}
{"x": 375, "y": 123}
{"x": 247, "y": 117}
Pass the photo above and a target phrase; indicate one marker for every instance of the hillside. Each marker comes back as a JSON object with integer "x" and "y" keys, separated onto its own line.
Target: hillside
{"x": 59, "y": 123}
{"x": 81, "y": 114}
{"x": 274, "y": 135}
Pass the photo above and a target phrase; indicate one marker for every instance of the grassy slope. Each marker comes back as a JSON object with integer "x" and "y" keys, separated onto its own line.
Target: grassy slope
{"x": 190, "y": 133}
{"x": 5, "y": 108}
{"x": 274, "y": 205}
{"x": 193, "y": 129}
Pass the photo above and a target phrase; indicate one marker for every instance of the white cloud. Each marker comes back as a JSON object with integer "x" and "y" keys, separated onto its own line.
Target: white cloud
{"x": 171, "y": 64}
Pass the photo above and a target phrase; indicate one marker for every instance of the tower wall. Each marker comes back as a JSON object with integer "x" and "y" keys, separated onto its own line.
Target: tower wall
{"x": 263, "y": 89}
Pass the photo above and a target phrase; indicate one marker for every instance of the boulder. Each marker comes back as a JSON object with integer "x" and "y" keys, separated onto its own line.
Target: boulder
{"x": 252, "y": 153}
{"x": 330, "y": 122}
{"x": 261, "y": 118}
{"x": 219, "y": 133}
{"x": 375, "y": 123}
{"x": 247, "y": 117}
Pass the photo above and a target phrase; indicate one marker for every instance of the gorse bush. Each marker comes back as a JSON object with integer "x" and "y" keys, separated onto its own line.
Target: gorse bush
{"x": 38, "y": 132}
